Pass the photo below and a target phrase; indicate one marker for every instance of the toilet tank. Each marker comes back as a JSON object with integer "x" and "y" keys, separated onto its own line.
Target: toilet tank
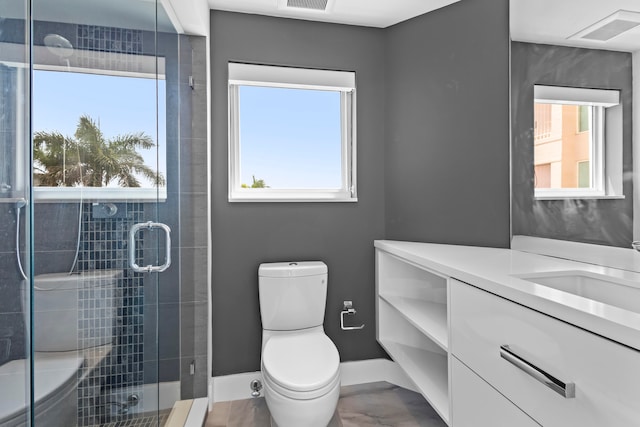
{"x": 293, "y": 295}
{"x": 74, "y": 311}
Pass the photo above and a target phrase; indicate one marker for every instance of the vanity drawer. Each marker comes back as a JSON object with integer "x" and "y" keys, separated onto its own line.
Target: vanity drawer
{"x": 475, "y": 403}
{"x": 606, "y": 375}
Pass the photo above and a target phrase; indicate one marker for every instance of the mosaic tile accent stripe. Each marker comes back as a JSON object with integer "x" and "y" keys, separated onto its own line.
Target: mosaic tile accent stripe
{"x": 113, "y": 315}
{"x": 109, "y": 48}
{"x": 109, "y": 39}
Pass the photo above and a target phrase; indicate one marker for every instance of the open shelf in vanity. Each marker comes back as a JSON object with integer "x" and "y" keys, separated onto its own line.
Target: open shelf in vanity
{"x": 412, "y": 326}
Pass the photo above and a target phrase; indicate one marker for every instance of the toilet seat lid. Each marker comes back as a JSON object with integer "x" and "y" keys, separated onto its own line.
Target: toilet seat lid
{"x": 301, "y": 362}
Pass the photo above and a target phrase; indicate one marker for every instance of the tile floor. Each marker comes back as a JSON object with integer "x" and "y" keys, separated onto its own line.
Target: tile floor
{"x": 374, "y": 404}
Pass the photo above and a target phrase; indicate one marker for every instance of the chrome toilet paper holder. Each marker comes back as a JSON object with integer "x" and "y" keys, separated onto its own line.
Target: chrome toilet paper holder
{"x": 347, "y": 309}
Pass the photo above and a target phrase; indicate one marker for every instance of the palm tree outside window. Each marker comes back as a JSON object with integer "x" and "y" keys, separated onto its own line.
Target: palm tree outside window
{"x": 91, "y": 160}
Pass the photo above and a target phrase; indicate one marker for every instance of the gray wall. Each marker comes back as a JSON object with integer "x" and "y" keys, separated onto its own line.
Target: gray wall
{"x": 340, "y": 234}
{"x": 606, "y": 222}
{"x": 447, "y": 128}
{"x": 439, "y": 84}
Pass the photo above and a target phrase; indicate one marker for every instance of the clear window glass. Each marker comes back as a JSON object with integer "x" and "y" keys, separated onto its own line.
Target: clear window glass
{"x": 86, "y": 136}
{"x": 290, "y": 138}
{"x": 577, "y": 143}
{"x": 291, "y": 134}
{"x": 564, "y": 146}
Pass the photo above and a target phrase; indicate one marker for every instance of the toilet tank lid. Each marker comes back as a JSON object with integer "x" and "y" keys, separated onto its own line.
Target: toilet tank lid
{"x": 66, "y": 281}
{"x": 292, "y": 269}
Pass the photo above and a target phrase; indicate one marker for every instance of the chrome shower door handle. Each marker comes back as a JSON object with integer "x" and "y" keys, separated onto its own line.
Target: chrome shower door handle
{"x": 132, "y": 247}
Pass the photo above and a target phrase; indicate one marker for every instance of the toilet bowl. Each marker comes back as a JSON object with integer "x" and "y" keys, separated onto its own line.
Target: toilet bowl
{"x": 300, "y": 364}
{"x": 55, "y": 400}
{"x": 301, "y": 374}
{"x": 71, "y": 313}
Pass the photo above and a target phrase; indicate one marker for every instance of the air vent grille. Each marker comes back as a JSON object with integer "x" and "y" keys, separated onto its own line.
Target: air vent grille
{"x": 610, "y": 30}
{"x": 610, "y": 27}
{"x": 308, "y": 4}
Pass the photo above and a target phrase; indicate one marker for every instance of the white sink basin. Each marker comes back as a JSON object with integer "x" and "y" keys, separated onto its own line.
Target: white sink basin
{"x": 596, "y": 287}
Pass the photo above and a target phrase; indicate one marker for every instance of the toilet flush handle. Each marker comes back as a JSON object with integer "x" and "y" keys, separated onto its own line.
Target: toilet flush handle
{"x": 348, "y": 309}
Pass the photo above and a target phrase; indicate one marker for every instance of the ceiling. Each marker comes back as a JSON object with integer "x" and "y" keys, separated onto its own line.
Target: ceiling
{"x": 369, "y": 13}
{"x": 539, "y": 21}
{"x": 553, "y": 21}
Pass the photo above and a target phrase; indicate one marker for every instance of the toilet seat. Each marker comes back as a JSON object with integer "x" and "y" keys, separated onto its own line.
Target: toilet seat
{"x": 301, "y": 366}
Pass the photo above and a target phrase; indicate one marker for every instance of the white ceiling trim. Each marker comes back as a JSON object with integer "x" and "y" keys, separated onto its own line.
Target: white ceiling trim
{"x": 191, "y": 15}
{"x": 368, "y": 13}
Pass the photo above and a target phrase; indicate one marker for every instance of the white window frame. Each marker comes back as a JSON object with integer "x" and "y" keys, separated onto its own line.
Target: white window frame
{"x": 605, "y": 144}
{"x": 294, "y": 78}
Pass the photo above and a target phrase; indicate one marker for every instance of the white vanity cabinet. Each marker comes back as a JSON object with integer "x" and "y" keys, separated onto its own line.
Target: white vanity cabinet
{"x": 482, "y": 360}
{"x": 594, "y": 382}
{"x": 411, "y": 308}
{"x": 474, "y": 403}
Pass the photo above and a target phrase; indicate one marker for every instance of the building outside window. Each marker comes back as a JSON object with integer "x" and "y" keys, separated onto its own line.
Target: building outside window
{"x": 571, "y": 141}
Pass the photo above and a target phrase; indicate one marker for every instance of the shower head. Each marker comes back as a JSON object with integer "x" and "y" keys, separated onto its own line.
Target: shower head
{"x": 58, "y": 45}
{"x": 21, "y": 203}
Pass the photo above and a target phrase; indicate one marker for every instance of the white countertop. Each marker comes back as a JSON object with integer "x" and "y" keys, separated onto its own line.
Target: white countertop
{"x": 493, "y": 270}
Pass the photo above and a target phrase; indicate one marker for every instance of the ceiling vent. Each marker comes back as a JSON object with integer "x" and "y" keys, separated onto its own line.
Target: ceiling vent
{"x": 612, "y": 26}
{"x": 308, "y": 4}
{"x": 322, "y": 6}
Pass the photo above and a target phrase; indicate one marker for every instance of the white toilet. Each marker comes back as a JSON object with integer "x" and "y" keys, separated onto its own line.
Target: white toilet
{"x": 300, "y": 364}
{"x": 71, "y": 313}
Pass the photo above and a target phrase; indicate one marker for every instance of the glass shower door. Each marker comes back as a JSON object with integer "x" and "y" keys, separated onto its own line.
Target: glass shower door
{"x": 101, "y": 75}
{"x": 95, "y": 104}
{"x": 15, "y": 225}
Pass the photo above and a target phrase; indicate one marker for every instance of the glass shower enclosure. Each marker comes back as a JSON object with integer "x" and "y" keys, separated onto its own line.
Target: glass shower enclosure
{"x": 96, "y": 215}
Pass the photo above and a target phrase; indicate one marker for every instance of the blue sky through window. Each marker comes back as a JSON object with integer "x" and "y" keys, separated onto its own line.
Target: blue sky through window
{"x": 290, "y": 138}
{"x": 119, "y": 104}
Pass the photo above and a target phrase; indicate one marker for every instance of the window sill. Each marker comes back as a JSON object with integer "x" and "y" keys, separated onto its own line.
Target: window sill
{"x": 579, "y": 197}
{"x": 291, "y": 197}
{"x": 101, "y": 194}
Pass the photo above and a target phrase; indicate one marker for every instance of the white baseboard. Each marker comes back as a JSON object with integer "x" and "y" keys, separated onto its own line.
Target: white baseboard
{"x": 374, "y": 370}
{"x": 236, "y": 387}
{"x": 210, "y": 393}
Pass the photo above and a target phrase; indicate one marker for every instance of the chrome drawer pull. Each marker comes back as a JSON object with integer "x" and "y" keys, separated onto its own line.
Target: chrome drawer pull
{"x": 564, "y": 389}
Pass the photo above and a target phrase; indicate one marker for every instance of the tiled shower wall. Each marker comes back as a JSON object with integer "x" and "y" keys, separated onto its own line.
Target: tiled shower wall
{"x": 194, "y": 212}
{"x": 12, "y": 324}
